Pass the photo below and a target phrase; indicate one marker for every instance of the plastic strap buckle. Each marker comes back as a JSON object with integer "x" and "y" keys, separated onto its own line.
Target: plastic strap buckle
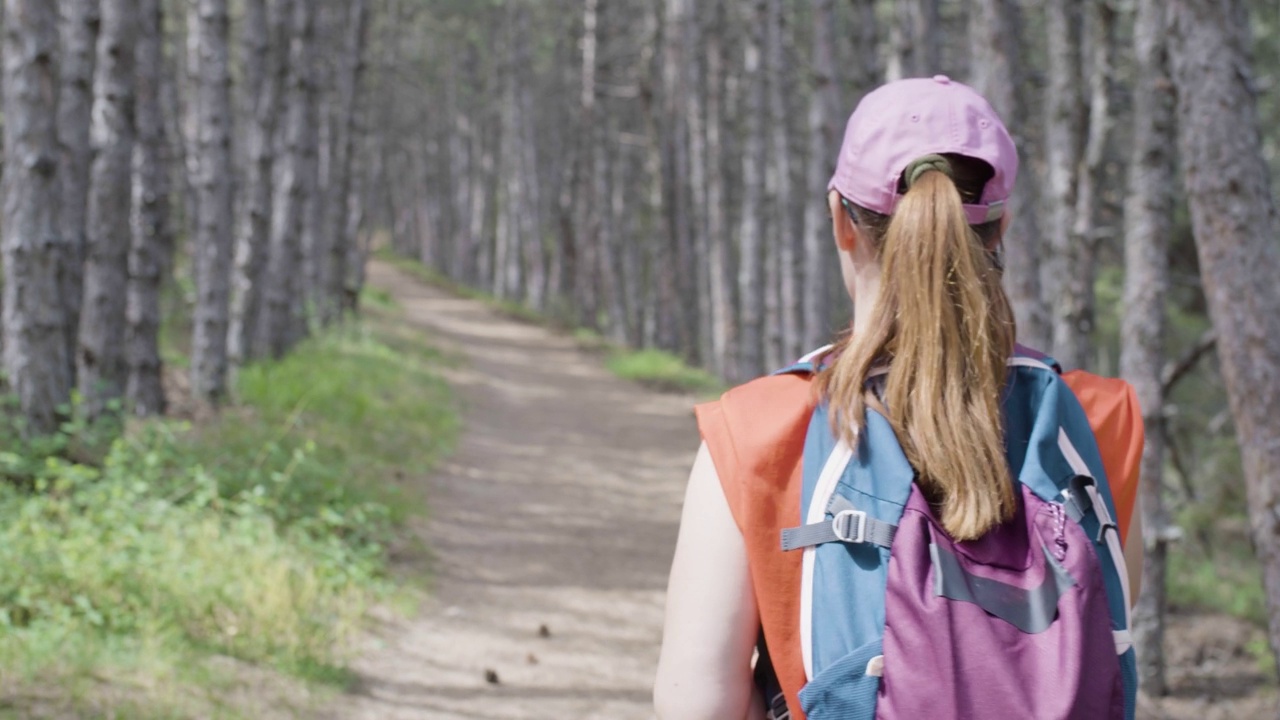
{"x": 850, "y": 526}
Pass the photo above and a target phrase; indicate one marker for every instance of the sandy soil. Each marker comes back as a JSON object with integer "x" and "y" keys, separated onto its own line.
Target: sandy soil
{"x": 552, "y": 528}
{"x": 557, "y": 512}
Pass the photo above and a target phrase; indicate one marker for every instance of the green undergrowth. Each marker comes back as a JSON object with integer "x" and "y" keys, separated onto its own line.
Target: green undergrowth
{"x": 256, "y": 539}
{"x": 655, "y": 369}
{"x": 661, "y": 371}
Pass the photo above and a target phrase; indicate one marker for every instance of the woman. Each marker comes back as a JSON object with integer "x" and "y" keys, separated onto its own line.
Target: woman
{"x": 918, "y": 209}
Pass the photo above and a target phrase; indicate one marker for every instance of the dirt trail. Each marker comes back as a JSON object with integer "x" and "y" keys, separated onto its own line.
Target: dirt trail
{"x": 559, "y": 509}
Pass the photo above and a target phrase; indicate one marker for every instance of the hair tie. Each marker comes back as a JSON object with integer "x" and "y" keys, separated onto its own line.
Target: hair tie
{"x": 918, "y": 167}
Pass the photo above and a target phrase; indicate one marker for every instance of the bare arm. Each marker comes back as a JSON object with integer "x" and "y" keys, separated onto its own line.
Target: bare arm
{"x": 712, "y": 621}
{"x": 1134, "y": 552}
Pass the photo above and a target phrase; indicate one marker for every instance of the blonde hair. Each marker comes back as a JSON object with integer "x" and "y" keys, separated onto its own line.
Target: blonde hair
{"x": 944, "y": 328}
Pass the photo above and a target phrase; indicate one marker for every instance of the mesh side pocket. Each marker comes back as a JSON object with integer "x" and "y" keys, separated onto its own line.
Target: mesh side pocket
{"x": 844, "y": 690}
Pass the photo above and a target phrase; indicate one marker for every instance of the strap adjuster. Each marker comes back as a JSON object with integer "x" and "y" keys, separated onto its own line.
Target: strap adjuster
{"x": 850, "y": 526}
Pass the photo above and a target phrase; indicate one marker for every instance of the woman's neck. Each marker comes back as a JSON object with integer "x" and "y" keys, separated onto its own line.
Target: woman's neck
{"x": 866, "y": 293}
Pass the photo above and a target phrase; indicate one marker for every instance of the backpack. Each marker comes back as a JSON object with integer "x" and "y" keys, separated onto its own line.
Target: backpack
{"x": 897, "y": 620}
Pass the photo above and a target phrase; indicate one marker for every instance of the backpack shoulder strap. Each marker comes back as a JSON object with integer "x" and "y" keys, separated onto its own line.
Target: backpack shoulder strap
{"x": 755, "y": 434}
{"x": 1112, "y": 408}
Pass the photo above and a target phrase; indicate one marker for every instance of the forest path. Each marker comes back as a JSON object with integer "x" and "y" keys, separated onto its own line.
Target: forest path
{"x": 558, "y": 509}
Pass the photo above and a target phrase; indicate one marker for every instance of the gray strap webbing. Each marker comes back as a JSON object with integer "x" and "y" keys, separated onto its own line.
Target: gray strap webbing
{"x": 849, "y": 525}
{"x": 1030, "y": 610}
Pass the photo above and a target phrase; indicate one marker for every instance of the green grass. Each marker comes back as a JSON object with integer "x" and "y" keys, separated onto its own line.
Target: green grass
{"x": 661, "y": 371}
{"x": 261, "y": 535}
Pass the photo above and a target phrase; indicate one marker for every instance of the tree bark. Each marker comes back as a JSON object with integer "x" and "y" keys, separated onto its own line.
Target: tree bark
{"x": 824, "y": 145}
{"x": 102, "y": 369}
{"x": 265, "y": 74}
{"x": 914, "y": 40}
{"x": 676, "y": 180}
{"x": 296, "y": 178}
{"x": 750, "y": 233}
{"x": 34, "y": 335}
{"x": 1148, "y": 224}
{"x": 1064, "y": 133}
{"x": 995, "y": 30}
{"x": 783, "y": 239}
{"x": 213, "y": 243}
{"x": 721, "y": 312}
{"x": 80, "y": 20}
{"x": 339, "y": 242}
{"x": 151, "y": 249}
{"x": 1233, "y": 217}
{"x": 694, "y": 54}
{"x": 507, "y": 276}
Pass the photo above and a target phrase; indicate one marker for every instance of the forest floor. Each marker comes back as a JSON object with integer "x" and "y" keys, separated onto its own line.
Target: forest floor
{"x": 550, "y": 533}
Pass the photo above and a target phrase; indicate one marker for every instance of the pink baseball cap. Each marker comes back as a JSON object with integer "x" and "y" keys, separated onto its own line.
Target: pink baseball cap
{"x": 905, "y": 120}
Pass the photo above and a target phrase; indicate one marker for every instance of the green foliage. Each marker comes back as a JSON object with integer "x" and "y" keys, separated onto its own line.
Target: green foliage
{"x": 377, "y": 297}
{"x": 662, "y": 371}
{"x": 260, "y": 535}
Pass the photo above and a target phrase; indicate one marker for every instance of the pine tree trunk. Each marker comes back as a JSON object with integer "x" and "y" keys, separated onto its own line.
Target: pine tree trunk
{"x": 102, "y": 368}
{"x": 585, "y": 213}
{"x": 824, "y": 145}
{"x": 533, "y": 257}
{"x": 787, "y": 333}
{"x": 999, "y": 74}
{"x": 751, "y": 290}
{"x": 508, "y": 239}
{"x": 264, "y": 32}
{"x": 78, "y": 29}
{"x": 1233, "y": 217}
{"x": 721, "y": 315}
{"x": 34, "y": 336}
{"x": 694, "y": 58}
{"x": 1148, "y": 225}
{"x": 1065, "y": 127}
{"x": 212, "y": 246}
{"x": 282, "y": 283}
{"x": 1074, "y": 337}
{"x": 340, "y": 177}
{"x": 151, "y": 249}
{"x": 676, "y": 180}
{"x": 915, "y": 48}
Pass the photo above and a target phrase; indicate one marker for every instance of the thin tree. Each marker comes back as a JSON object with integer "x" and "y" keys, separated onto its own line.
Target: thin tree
{"x": 721, "y": 315}
{"x": 102, "y": 368}
{"x": 999, "y": 73}
{"x": 915, "y": 40}
{"x": 78, "y": 29}
{"x": 35, "y": 351}
{"x": 212, "y": 244}
{"x": 750, "y": 232}
{"x": 151, "y": 248}
{"x": 1148, "y": 224}
{"x": 281, "y": 281}
{"x": 824, "y": 141}
{"x": 264, "y": 31}
{"x": 339, "y": 241}
{"x": 783, "y": 243}
{"x": 1233, "y": 217}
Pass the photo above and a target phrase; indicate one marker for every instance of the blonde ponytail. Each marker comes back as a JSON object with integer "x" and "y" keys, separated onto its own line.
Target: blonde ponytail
{"x": 944, "y": 328}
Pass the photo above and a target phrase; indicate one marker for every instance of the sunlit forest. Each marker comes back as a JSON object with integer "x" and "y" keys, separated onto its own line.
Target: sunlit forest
{"x": 231, "y": 231}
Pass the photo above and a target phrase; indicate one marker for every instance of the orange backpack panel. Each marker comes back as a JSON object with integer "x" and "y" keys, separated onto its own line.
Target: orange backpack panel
{"x": 755, "y": 434}
{"x": 1114, "y": 415}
